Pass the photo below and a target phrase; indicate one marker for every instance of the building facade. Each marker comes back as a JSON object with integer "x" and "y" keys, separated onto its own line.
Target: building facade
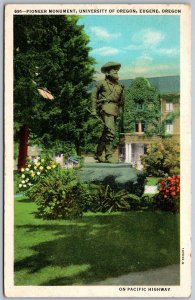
{"x": 134, "y": 144}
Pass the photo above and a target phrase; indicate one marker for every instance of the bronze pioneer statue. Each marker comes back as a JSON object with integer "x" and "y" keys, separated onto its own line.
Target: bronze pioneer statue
{"x": 107, "y": 102}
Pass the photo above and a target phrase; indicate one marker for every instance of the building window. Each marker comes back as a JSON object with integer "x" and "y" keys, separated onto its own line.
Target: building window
{"x": 143, "y": 126}
{"x": 169, "y": 127}
{"x": 136, "y": 127}
{"x": 140, "y": 106}
{"x": 169, "y": 106}
{"x": 140, "y": 127}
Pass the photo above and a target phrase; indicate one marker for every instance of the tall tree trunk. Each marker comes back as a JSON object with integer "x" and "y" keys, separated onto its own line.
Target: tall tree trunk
{"x": 23, "y": 147}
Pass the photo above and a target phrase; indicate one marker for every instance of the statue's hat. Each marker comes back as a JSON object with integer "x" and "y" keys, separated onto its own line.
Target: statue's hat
{"x": 110, "y": 65}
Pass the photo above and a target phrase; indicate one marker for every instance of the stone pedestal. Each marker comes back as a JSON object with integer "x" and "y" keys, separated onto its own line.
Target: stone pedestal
{"x": 119, "y": 176}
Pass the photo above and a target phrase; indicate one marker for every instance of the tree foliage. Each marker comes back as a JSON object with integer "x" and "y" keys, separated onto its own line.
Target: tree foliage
{"x": 52, "y": 52}
{"x": 142, "y": 104}
{"x": 162, "y": 159}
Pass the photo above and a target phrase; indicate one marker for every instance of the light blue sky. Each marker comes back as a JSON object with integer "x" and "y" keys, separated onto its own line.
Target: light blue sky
{"x": 146, "y": 46}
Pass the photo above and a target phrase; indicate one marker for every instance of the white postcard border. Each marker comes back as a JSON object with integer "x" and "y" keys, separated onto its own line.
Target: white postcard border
{"x": 184, "y": 289}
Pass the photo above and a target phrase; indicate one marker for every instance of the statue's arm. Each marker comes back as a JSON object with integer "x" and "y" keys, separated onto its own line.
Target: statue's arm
{"x": 122, "y": 98}
{"x": 94, "y": 99}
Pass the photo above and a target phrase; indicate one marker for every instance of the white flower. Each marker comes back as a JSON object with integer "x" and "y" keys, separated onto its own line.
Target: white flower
{"x": 29, "y": 183}
{"x": 27, "y": 169}
{"x": 23, "y": 176}
{"x": 27, "y": 179}
{"x": 20, "y": 185}
{"x": 23, "y": 181}
{"x": 24, "y": 185}
{"x": 38, "y": 173}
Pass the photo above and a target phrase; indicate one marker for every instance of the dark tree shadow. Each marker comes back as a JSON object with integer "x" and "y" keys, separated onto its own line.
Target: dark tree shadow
{"x": 111, "y": 245}
{"x": 25, "y": 200}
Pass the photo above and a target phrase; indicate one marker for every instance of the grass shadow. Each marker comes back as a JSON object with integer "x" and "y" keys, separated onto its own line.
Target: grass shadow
{"x": 25, "y": 200}
{"x": 109, "y": 245}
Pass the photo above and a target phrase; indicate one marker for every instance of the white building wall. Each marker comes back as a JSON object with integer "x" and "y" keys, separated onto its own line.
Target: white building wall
{"x": 128, "y": 151}
{"x": 133, "y": 153}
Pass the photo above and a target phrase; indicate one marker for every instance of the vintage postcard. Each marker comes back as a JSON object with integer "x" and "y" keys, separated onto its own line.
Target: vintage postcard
{"x": 97, "y": 150}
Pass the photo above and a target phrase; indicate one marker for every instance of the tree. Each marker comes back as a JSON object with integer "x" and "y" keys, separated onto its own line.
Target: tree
{"x": 51, "y": 52}
{"x": 142, "y": 104}
{"x": 162, "y": 159}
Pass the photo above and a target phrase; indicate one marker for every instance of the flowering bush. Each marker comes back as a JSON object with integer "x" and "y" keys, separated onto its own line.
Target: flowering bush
{"x": 59, "y": 195}
{"x": 162, "y": 158}
{"x": 168, "y": 197}
{"x": 34, "y": 170}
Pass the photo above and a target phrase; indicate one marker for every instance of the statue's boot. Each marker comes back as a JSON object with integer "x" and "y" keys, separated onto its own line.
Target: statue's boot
{"x": 100, "y": 159}
{"x": 111, "y": 160}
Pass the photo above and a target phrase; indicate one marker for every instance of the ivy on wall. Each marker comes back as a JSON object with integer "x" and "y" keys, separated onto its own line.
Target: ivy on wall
{"x": 142, "y": 104}
{"x": 173, "y": 98}
{"x": 172, "y": 116}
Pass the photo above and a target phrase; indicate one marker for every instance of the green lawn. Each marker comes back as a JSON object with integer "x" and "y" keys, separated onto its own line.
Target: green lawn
{"x": 93, "y": 248}
{"x": 152, "y": 180}
{"x": 17, "y": 179}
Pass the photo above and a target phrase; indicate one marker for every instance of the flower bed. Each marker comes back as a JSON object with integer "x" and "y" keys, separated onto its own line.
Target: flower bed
{"x": 34, "y": 170}
{"x": 168, "y": 198}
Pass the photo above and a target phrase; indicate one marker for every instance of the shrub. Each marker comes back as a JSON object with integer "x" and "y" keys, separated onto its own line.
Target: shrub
{"x": 146, "y": 202}
{"x": 33, "y": 171}
{"x": 162, "y": 158}
{"x": 104, "y": 199}
{"x": 92, "y": 197}
{"x": 138, "y": 203}
{"x": 109, "y": 200}
{"x": 139, "y": 185}
{"x": 59, "y": 195}
{"x": 168, "y": 198}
